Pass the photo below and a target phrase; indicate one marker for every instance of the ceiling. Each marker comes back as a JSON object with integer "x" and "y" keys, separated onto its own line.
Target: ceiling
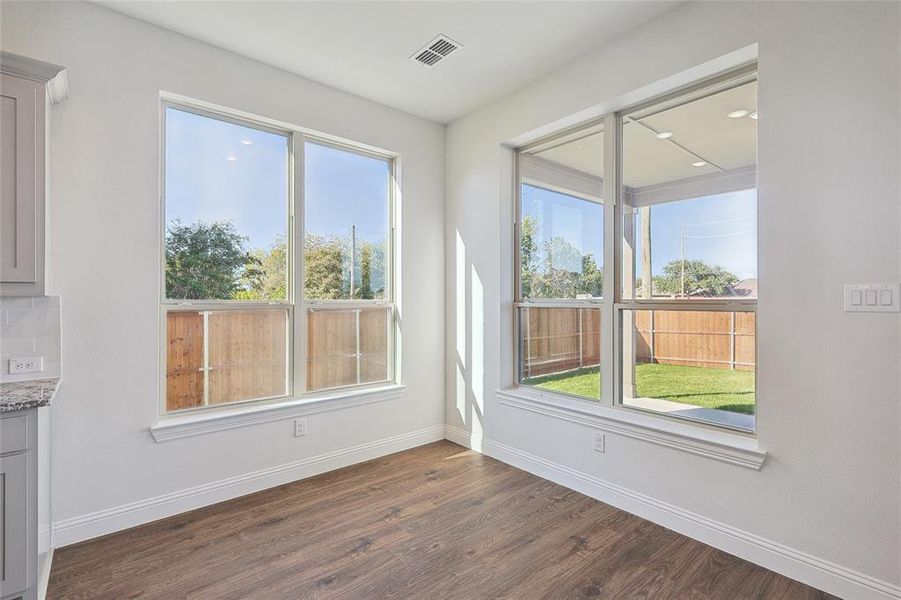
{"x": 364, "y": 47}
{"x": 702, "y": 132}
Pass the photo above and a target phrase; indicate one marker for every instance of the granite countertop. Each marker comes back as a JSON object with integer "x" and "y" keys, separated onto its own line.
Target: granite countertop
{"x": 19, "y": 395}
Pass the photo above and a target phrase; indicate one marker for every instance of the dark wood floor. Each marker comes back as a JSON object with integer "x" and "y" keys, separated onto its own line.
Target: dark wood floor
{"x": 436, "y": 522}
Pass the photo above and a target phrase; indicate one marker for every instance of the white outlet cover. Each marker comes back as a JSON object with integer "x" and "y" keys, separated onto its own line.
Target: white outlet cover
{"x": 599, "y": 442}
{"x": 300, "y": 427}
{"x": 31, "y": 364}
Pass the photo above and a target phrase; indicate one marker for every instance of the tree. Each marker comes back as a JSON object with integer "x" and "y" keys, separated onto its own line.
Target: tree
{"x": 700, "y": 278}
{"x": 324, "y": 258}
{"x": 365, "y": 289}
{"x": 269, "y": 280}
{"x": 207, "y": 261}
{"x": 527, "y": 254}
{"x": 556, "y": 268}
{"x": 592, "y": 280}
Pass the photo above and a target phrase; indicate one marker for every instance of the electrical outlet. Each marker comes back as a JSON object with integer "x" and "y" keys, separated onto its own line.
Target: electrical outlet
{"x": 34, "y": 364}
{"x": 599, "y": 442}
{"x": 300, "y": 427}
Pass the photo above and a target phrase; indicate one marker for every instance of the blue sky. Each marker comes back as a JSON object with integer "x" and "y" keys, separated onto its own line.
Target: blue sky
{"x": 217, "y": 171}
{"x": 719, "y": 229}
{"x": 344, "y": 189}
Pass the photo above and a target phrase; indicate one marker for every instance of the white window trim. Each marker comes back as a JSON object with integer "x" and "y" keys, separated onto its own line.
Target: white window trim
{"x": 698, "y": 437}
{"x": 695, "y": 438}
{"x": 228, "y": 416}
{"x": 251, "y": 411}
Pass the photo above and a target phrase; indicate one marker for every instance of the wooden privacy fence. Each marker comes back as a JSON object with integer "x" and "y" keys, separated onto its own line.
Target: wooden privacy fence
{"x": 217, "y": 357}
{"x": 560, "y": 339}
{"x": 346, "y": 347}
{"x": 722, "y": 340}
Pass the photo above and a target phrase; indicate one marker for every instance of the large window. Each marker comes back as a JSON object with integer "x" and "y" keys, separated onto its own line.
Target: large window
{"x": 268, "y": 292}
{"x": 682, "y": 317}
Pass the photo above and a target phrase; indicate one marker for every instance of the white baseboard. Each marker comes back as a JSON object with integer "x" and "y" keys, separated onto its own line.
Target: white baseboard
{"x": 821, "y": 574}
{"x": 84, "y": 527}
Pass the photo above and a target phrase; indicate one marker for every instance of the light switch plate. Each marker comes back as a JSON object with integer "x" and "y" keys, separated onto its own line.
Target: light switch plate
{"x": 872, "y": 297}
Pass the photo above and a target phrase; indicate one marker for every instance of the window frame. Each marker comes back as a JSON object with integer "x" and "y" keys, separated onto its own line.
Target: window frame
{"x": 295, "y": 304}
{"x": 613, "y": 305}
{"x": 388, "y": 302}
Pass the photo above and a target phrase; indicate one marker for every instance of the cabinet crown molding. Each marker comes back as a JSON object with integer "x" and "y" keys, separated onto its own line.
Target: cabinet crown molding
{"x": 53, "y": 76}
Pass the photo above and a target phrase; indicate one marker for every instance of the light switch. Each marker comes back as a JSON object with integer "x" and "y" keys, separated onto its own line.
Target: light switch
{"x": 872, "y": 297}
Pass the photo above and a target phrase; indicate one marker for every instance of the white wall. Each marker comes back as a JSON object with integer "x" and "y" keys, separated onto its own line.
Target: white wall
{"x": 829, "y": 382}
{"x": 104, "y": 260}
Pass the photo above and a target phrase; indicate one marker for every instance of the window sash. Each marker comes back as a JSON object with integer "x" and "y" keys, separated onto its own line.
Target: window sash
{"x": 391, "y": 339}
{"x": 295, "y": 305}
{"x": 393, "y": 187}
{"x": 231, "y": 306}
{"x": 613, "y": 303}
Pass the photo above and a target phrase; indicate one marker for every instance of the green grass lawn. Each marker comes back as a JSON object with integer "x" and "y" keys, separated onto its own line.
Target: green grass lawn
{"x": 722, "y": 389}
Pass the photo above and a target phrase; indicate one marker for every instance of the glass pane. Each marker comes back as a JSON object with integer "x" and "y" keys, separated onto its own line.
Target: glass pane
{"x": 690, "y": 198}
{"x": 347, "y": 347}
{"x": 560, "y": 350}
{"x": 219, "y": 357}
{"x": 693, "y": 364}
{"x": 226, "y": 191}
{"x": 347, "y": 226}
{"x": 562, "y": 219}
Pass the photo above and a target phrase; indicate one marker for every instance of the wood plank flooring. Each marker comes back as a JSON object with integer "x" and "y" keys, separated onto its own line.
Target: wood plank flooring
{"x": 434, "y": 522}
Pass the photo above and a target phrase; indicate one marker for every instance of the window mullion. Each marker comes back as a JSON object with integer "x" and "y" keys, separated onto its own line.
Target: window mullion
{"x": 612, "y": 259}
{"x": 299, "y": 329}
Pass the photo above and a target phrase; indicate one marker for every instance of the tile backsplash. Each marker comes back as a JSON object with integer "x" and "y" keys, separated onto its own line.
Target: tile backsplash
{"x": 29, "y": 327}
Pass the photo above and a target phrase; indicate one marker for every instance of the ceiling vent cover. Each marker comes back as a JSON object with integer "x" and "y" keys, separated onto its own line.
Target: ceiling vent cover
{"x": 435, "y": 51}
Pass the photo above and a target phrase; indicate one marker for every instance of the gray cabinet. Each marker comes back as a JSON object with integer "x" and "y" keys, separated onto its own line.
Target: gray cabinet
{"x": 22, "y": 180}
{"x": 18, "y": 505}
{"x": 13, "y": 524}
{"x": 26, "y": 87}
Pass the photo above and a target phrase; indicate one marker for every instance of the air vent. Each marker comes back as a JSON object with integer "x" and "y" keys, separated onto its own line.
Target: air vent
{"x": 435, "y": 51}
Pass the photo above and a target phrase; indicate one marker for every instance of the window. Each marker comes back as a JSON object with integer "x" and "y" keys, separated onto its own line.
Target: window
{"x": 682, "y": 316}
{"x": 240, "y": 270}
{"x": 561, "y": 262}
{"x": 347, "y": 242}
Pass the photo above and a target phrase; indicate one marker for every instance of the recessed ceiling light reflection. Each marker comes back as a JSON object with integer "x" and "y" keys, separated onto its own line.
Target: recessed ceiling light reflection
{"x": 664, "y": 135}
{"x": 231, "y": 158}
{"x": 737, "y": 114}
{"x": 753, "y": 115}
{"x": 698, "y": 163}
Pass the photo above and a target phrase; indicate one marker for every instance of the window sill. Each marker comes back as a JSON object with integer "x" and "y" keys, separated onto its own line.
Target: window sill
{"x": 724, "y": 446}
{"x": 175, "y": 427}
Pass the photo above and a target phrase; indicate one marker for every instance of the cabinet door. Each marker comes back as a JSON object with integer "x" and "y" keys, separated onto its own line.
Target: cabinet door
{"x": 13, "y": 523}
{"x": 21, "y": 178}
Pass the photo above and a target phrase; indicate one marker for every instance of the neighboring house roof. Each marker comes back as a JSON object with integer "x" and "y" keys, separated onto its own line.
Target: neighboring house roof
{"x": 746, "y": 287}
